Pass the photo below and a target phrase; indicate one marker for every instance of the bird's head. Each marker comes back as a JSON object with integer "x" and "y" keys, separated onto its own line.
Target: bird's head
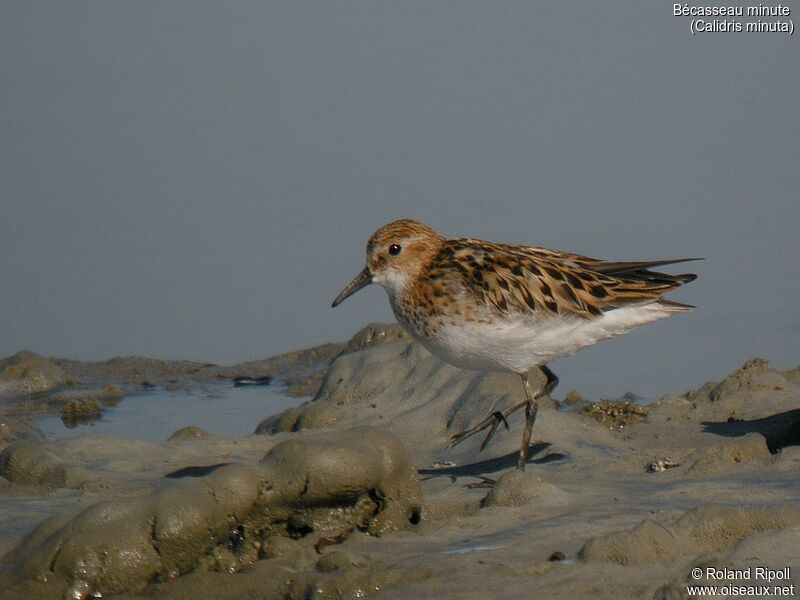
{"x": 396, "y": 254}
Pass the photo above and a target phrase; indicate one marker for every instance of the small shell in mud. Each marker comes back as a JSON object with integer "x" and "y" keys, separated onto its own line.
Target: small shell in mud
{"x": 442, "y": 464}
{"x": 662, "y": 464}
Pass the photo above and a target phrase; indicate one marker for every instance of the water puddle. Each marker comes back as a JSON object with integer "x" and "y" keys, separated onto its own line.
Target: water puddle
{"x": 155, "y": 415}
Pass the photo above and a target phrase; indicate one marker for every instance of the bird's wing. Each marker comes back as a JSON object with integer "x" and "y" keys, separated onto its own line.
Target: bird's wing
{"x": 538, "y": 281}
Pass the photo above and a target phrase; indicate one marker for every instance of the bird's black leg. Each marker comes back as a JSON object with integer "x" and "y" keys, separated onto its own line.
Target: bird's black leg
{"x": 499, "y": 416}
{"x": 552, "y": 380}
{"x": 531, "y": 408}
{"x": 493, "y": 420}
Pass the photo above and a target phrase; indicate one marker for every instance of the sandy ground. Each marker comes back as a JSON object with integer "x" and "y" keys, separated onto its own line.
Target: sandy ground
{"x": 323, "y": 503}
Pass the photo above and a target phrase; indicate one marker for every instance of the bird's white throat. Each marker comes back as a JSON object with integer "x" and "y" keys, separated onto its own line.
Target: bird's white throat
{"x": 392, "y": 280}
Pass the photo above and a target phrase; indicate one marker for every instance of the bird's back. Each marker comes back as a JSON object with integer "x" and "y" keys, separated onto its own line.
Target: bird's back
{"x": 524, "y": 280}
{"x": 489, "y": 306}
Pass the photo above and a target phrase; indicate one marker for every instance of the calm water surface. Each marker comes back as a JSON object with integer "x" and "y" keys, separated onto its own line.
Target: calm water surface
{"x": 156, "y": 415}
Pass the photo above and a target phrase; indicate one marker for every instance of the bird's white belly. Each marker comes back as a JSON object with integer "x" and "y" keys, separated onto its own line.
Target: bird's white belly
{"x": 518, "y": 345}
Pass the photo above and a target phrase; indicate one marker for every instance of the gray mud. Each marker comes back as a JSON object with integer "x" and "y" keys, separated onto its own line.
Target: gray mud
{"x": 328, "y": 484}
{"x": 347, "y": 516}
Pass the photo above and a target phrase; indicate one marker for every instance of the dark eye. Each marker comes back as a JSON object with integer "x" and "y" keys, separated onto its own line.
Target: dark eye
{"x": 394, "y": 249}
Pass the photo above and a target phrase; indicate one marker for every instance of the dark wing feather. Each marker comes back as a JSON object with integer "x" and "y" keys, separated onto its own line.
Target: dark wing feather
{"x": 530, "y": 280}
{"x": 613, "y": 268}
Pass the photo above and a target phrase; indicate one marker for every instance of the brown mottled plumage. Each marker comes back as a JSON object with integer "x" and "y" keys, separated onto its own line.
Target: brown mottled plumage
{"x": 525, "y": 279}
{"x": 503, "y": 307}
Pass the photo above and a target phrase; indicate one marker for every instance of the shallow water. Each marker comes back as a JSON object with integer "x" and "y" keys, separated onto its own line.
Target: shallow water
{"x": 154, "y": 416}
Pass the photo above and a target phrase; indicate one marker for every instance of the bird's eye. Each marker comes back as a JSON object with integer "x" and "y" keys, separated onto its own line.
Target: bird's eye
{"x": 394, "y": 249}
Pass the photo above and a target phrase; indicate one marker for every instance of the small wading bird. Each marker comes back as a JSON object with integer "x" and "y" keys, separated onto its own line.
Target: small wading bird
{"x": 501, "y": 307}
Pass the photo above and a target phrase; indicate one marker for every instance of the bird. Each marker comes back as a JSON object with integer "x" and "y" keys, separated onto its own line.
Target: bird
{"x": 497, "y": 307}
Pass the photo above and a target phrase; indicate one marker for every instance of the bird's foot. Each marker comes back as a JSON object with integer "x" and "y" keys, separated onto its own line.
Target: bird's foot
{"x": 493, "y": 420}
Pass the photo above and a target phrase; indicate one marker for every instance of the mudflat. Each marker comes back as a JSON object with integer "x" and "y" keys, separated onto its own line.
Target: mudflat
{"x": 355, "y": 492}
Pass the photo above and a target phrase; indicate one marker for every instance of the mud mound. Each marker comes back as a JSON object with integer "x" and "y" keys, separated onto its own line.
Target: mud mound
{"x": 334, "y": 482}
{"x": 28, "y": 373}
{"x": 33, "y": 464}
{"x": 704, "y": 529}
{"x": 750, "y": 448}
{"x": 755, "y": 375}
{"x": 518, "y": 488}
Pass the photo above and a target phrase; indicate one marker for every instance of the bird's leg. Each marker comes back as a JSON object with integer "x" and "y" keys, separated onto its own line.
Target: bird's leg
{"x": 531, "y": 408}
{"x": 493, "y": 420}
{"x": 551, "y": 383}
{"x": 499, "y": 416}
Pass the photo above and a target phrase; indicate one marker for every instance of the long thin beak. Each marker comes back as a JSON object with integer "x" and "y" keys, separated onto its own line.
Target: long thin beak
{"x": 363, "y": 279}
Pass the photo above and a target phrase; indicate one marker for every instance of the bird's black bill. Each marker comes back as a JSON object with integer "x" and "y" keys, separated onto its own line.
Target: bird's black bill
{"x": 363, "y": 279}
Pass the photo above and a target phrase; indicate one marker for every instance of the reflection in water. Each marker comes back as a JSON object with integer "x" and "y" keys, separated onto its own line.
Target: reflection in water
{"x": 71, "y": 420}
{"x": 154, "y": 416}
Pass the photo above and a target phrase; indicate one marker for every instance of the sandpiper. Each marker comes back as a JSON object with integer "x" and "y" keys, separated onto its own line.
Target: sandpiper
{"x": 502, "y": 307}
